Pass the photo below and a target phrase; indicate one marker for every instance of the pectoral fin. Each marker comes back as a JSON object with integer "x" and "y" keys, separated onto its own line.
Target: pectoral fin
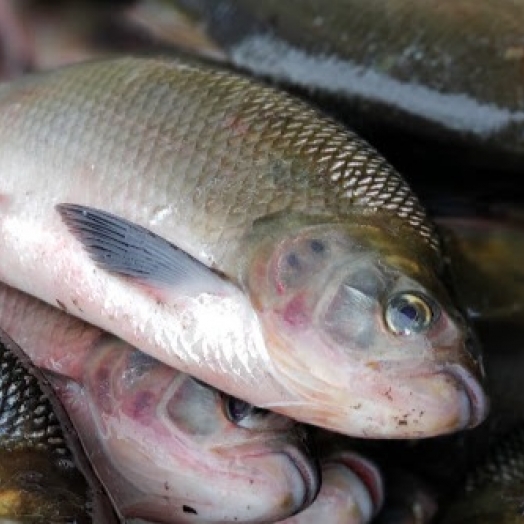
{"x": 127, "y": 249}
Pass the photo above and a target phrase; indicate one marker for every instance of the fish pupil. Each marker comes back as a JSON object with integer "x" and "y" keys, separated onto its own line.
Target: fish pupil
{"x": 238, "y": 409}
{"x": 410, "y": 312}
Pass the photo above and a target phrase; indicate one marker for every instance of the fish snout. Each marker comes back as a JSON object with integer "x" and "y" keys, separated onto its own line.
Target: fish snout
{"x": 468, "y": 373}
{"x": 471, "y": 382}
{"x": 364, "y": 480}
{"x": 309, "y": 471}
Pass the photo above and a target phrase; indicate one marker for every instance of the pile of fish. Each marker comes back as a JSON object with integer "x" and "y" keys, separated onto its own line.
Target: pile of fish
{"x": 220, "y": 303}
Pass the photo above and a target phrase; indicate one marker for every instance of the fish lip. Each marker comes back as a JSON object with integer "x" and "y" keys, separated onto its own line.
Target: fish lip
{"x": 367, "y": 473}
{"x": 309, "y": 470}
{"x": 477, "y": 398}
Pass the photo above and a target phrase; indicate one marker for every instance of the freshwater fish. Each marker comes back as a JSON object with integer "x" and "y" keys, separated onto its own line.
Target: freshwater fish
{"x": 238, "y": 235}
{"x": 45, "y": 477}
{"x": 494, "y": 490}
{"x": 168, "y": 448}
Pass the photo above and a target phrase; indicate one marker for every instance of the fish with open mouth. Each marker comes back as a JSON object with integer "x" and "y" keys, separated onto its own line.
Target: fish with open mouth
{"x": 167, "y": 447}
{"x": 238, "y": 235}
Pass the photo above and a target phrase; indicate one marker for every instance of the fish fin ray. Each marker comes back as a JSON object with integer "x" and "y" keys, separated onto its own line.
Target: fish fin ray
{"x": 129, "y": 250}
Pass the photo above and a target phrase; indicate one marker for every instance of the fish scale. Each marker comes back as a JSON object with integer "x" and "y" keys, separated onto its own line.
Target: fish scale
{"x": 44, "y": 475}
{"x": 27, "y": 417}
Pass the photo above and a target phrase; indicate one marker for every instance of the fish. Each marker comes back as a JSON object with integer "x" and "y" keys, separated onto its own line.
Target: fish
{"x": 167, "y": 447}
{"x": 345, "y": 497}
{"x": 45, "y": 477}
{"x": 409, "y": 500}
{"x": 238, "y": 235}
{"x": 494, "y": 489}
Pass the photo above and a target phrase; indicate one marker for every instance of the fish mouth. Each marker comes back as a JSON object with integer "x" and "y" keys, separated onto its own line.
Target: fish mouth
{"x": 477, "y": 398}
{"x": 309, "y": 471}
{"x": 370, "y": 478}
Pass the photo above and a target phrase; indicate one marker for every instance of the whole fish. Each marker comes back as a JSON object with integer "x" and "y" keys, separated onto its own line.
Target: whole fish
{"x": 45, "y": 477}
{"x": 494, "y": 490}
{"x": 168, "y": 448}
{"x": 235, "y": 234}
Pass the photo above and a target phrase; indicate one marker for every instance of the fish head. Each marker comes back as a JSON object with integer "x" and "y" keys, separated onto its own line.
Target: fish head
{"x": 356, "y": 319}
{"x": 189, "y": 453}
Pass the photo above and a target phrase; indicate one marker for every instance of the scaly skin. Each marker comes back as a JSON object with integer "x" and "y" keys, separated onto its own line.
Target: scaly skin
{"x": 243, "y": 178}
{"x": 158, "y": 440}
{"x": 45, "y": 475}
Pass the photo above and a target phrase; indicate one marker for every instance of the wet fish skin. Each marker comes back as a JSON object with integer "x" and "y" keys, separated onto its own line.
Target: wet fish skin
{"x": 168, "y": 448}
{"x": 44, "y": 476}
{"x": 239, "y": 176}
{"x": 494, "y": 490}
{"x": 351, "y": 491}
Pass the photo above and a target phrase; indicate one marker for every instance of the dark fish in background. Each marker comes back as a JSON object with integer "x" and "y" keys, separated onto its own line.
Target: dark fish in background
{"x": 45, "y": 477}
{"x": 406, "y": 63}
{"x": 494, "y": 490}
{"x": 238, "y": 235}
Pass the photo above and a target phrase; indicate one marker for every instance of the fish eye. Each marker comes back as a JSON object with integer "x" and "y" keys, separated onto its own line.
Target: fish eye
{"x": 409, "y": 313}
{"x": 237, "y": 410}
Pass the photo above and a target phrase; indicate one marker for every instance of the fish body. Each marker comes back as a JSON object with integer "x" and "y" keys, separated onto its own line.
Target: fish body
{"x": 237, "y": 235}
{"x": 44, "y": 475}
{"x": 494, "y": 490}
{"x": 168, "y": 448}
